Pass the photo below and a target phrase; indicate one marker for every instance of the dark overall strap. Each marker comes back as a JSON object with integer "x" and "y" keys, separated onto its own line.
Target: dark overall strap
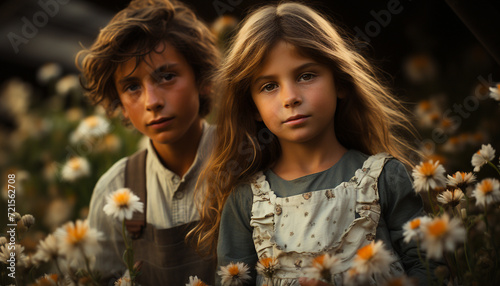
{"x": 135, "y": 180}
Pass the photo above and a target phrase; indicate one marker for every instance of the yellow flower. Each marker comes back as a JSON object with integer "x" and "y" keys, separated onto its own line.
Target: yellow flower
{"x": 413, "y": 228}
{"x": 267, "y": 266}
{"x": 94, "y": 126}
{"x": 451, "y": 198}
{"x": 487, "y": 192}
{"x": 483, "y": 156}
{"x": 373, "y": 258}
{"x": 47, "y": 280}
{"x": 428, "y": 175}
{"x": 78, "y": 242}
{"x": 234, "y": 274}
{"x": 194, "y": 281}
{"x": 48, "y": 249}
{"x": 495, "y": 92}
{"x": 323, "y": 267}
{"x": 461, "y": 180}
{"x": 75, "y": 168}
{"x": 122, "y": 203}
{"x": 442, "y": 234}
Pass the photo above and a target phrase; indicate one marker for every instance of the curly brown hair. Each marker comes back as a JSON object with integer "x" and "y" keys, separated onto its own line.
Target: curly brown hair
{"x": 136, "y": 31}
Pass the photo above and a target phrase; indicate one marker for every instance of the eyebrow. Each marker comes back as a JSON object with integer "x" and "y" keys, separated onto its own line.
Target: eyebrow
{"x": 153, "y": 74}
{"x": 301, "y": 67}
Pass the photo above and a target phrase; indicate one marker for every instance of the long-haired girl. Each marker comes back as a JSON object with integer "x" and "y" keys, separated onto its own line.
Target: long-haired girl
{"x": 302, "y": 166}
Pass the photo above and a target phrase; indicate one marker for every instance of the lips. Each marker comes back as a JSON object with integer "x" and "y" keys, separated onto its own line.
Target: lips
{"x": 159, "y": 121}
{"x": 295, "y": 117}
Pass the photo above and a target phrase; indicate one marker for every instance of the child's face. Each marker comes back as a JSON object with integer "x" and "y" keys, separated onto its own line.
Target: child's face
{"x": 295, "y": 96}
{"x": 160, "y": 96}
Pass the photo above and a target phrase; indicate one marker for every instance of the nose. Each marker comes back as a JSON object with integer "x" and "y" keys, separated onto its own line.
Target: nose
{"x": 290, "y": 96}
{"x": 153, "y": 98}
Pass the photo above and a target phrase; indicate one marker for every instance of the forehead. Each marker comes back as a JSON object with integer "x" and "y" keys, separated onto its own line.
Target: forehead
{"x": 163, "y": 53}
{"x": 282, "y": 55}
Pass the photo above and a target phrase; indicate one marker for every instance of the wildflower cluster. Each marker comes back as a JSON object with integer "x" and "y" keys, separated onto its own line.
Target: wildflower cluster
{"x": 460, "y": 227}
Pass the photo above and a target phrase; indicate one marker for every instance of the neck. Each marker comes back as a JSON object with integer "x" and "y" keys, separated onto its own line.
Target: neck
{"x": 301, "y": 159}
{"x": 178, "y": 156}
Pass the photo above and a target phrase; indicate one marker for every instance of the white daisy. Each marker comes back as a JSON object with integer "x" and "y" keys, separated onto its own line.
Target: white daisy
{"x": 77, "y": 241}
{"x": 122, "y": 203}
{"x": 94, "y": 126}
{"x": 48, "y": 72}
{"x": 124, "y": 280}
{"x": 483, "y": 156}
{"x": 75, "y": 168}
{"x": 461, "y": 180}
{"x": 48, "y": 249}
{"x": 428, "y": 175}
{"x": 413, "y": 228}
{"x": 234, "y": 274}
{"x": 442, "y": 234}
{"x": 47, "y": 279}
{"x": 323, "y": 267}
{"x": 267, "y": 266}
{"x": 5, "y": 254}
{"x": 195, "y": 281}
{"x": 495, "y": 92}
{"x": 28, "y": 220}
{"x": 487, "y": 191}
{"x": 67, "y": 83}
{"x": 451, "y": 198}
{"x": 373, "y": 258}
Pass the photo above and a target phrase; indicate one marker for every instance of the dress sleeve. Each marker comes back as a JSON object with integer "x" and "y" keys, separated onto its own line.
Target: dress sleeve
{"x": 108, "y": 261}
{"x": 235, "y": 242}
{"x": 400, "y": 204}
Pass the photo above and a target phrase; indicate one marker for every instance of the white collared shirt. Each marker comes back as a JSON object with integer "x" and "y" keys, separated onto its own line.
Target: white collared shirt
{"x": 169, "y": 200}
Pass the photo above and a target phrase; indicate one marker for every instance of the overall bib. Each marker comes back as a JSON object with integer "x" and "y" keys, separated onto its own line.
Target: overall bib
{"x": 338, "y": 221}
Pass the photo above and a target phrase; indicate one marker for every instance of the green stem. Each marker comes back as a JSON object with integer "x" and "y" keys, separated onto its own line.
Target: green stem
{"x": 426, "y": 262}
{"x": 87, "y": 265}
{"x": 430, "y": 202}
{"x": 467, "y": 256}
{"x": 494, "y": 167}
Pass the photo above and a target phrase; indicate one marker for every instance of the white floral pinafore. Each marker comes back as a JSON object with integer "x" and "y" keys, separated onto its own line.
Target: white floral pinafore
{"x": 298, "y": 228}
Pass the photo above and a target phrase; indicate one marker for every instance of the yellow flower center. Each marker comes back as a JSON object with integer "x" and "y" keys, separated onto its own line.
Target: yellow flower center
{"x": 366, "y": 252}
{"x": 414, "y": 224}
{"x": 438, "y": 228}
{"x": 319, "y": 260}
{"x": 498, "y": 85}
{"x": 427, "y": 169}
{"x": 266, "y": 261}
{"x": 425, "y": 105}
{"x": 75, "y": 233}
{"x": 74, "y": 163}
{"x": 200, "y": 283}
{"x": 486, "y": 187}
{"x": 233, "y": 270}
{"x": 122, "y": 198}
{"x": 91, "y": 121}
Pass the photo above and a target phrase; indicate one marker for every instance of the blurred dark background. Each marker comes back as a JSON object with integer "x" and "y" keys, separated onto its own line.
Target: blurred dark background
{"x": 441, "y": 52}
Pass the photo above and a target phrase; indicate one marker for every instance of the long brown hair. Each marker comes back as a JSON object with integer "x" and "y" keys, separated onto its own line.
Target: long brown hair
{"x": 135, "y": 32}
{"x": 368, "y": 119}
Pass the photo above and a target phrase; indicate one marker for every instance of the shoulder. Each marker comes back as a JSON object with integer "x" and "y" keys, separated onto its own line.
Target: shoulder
{"x": 241, "y": 196}
{"x": 111, "y": 180}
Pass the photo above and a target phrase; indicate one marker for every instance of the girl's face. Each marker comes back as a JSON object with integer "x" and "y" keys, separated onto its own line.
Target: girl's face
{"x": 295, "y": 96}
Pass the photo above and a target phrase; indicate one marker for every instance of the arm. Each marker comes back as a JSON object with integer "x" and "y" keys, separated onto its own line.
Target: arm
{"x": 108, "y": 261}
{"x": 400, "y": 204}
{"x": 235, "y": 242}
